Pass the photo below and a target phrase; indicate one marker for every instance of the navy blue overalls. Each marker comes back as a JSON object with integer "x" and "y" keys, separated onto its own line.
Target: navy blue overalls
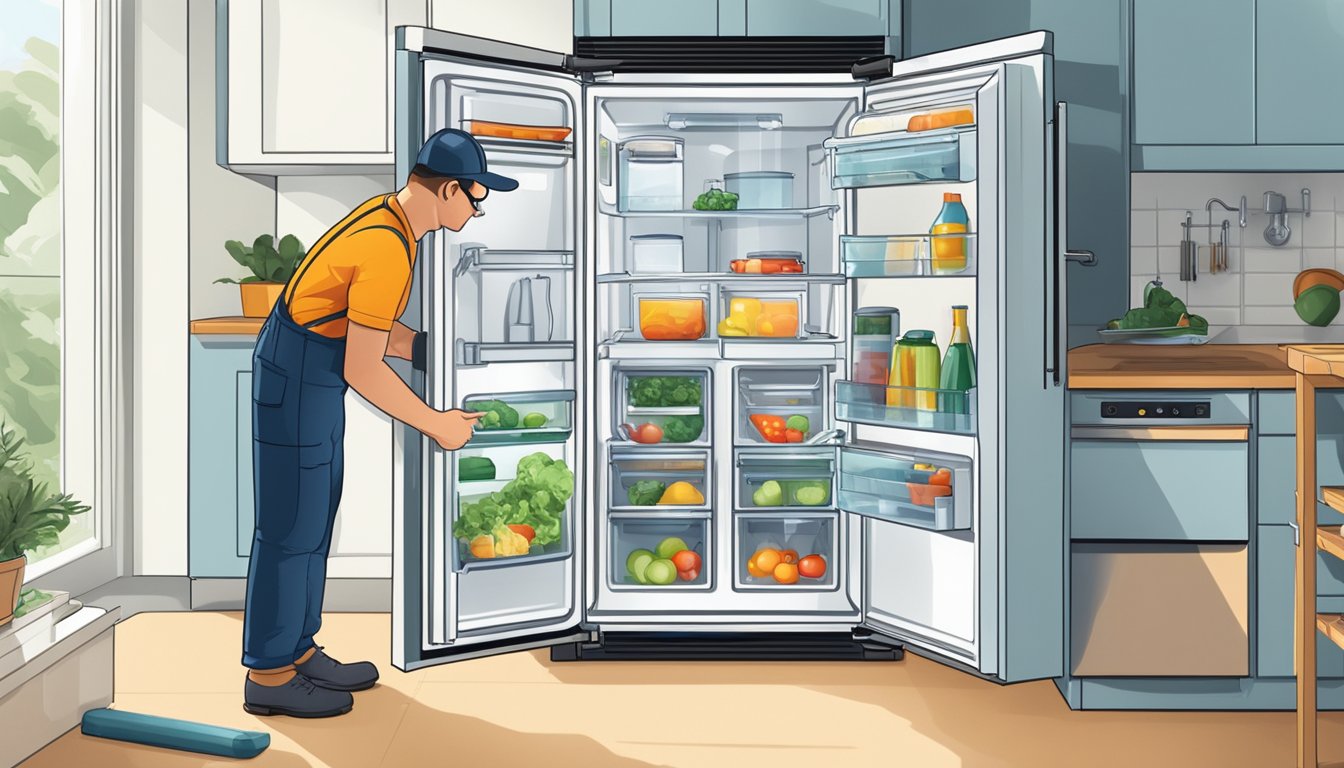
{"x": 298, "y": 422}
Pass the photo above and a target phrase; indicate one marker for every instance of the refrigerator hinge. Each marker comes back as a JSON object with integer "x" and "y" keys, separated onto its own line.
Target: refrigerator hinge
{"x": 590, "y": 70}
{"x": 873, "y": 68}
{"x": 870, "y": 636}
{"x": 467, "y": 355}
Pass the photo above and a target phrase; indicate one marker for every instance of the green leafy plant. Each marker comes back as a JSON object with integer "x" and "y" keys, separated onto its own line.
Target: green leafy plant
{"x": 30, "y": 515}
{"x": 268, "y": 263}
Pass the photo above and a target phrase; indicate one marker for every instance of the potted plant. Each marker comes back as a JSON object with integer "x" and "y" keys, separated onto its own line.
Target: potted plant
{"x": 30, "y": 517}
{"x": 271, "y": 268}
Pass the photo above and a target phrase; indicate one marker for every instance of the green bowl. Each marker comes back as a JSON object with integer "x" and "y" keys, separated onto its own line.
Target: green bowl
{"x": 1317, "y": 305}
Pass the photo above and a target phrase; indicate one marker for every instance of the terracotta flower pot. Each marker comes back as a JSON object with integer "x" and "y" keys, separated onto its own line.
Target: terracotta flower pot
{"x": 11, "y": 583}
{"x": 259, "y": 298}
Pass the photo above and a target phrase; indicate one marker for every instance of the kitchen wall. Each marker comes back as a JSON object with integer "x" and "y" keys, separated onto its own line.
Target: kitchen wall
{"x": 1257, "y": 289}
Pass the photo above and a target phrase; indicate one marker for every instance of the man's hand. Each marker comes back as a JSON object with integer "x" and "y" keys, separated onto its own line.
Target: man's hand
{"x": 451, "y": 429}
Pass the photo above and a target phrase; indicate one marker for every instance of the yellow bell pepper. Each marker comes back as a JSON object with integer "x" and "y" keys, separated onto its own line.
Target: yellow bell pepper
{"x": 682, "y": 494}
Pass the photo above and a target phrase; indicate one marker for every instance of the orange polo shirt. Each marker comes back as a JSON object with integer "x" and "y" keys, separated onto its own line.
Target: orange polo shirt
{"x": 362, "y": 265}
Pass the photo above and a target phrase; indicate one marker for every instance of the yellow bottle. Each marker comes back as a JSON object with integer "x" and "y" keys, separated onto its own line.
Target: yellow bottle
{"x": 949, "y": 253}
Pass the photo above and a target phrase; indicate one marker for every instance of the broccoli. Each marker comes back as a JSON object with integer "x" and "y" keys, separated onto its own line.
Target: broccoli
{"x": 683, "y": 429}
{"x": 645, "y": 493}
{"x": 715, "y": 200}
{"x": 498, "y": 414}
{"x": 663, "y": 391}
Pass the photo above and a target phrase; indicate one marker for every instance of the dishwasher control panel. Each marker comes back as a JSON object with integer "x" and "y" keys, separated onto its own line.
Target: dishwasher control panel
{"x": 1148, "y": 409}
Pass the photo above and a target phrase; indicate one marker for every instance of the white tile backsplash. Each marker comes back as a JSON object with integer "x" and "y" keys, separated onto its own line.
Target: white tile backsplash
{"x": 1257, "y": 287}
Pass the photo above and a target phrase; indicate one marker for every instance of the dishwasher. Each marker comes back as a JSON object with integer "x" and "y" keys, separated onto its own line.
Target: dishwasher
{"x": 1160, "y": 518}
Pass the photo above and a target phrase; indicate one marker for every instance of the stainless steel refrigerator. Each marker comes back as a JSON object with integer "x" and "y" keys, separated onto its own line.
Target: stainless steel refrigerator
{"x": 693, "y": 362}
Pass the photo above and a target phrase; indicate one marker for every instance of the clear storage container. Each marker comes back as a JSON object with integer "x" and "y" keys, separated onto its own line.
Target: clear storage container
{"x": 797, "y": 552}
{"x": 758, "y": 190}
{"x": 671, "y": 317}
{"x": 636, "y": 542}
{"x": 662, "y": 481}
{"x": 778, "y": 394}
{"x": 770, "y": 480}
{"x": 651, "y": 173}
{"x": 674, "y": 401}
{"x": 656, "y": 254}
{"x": 762, "y": 315}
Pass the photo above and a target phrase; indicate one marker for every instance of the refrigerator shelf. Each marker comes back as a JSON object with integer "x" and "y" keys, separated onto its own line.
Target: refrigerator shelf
{"x": 526, "y": 146}
{"x": 472, "y": 353}
{"x": 952, "y": 255}
{"x": 821, "y": 348}
{"x": 805, "y": 533}
{"x": 556, "y": 406}
{"x": 899, "y": 407}
{"x": 758, "y": 213}
{"x": 488, "y": 259}
{"x": 764, "y": 281}
{"x": 890, "y": 159}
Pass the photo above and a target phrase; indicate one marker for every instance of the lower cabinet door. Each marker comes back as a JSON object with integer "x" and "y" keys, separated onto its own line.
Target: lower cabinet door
{"x": 1274, "y": 605}
{"x": 1160, "y": 610}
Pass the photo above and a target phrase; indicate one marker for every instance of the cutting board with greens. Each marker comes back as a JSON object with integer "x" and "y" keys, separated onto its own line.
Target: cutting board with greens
{"x": 1163, "y": 319}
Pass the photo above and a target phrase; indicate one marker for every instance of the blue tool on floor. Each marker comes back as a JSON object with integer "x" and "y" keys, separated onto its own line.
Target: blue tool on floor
{"x": 174, "y": 734}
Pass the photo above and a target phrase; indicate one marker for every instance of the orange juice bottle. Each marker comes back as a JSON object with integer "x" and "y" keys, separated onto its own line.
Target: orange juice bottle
{"x": 949, "y": 253}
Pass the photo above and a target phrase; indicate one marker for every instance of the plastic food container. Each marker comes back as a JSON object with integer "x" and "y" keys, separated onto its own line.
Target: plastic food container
{"x": 656, "y": 253}
{"x": 769, "y": 263}
{"x": 650, "y": 176}
{"x": 761, "y": 189}
{"x": 875, "y": 332}
{"x": 669, "y": 318}
{"x": 761, "y": 315}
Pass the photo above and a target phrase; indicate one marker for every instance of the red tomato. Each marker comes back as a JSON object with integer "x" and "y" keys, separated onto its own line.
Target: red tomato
{"x": 793, "y": 436}
{"x": 812, "y": 567}
{"x": 686, "y": 560}
{"x": 690, "y": 575}
{"x": 524, "y": 530}
{"x": 647, "y": 433}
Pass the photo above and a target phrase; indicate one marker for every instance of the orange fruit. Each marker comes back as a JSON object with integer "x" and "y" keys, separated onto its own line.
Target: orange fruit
{"x": 786, "y": 573}
{"x": 788, "y": 556}
{"x": 754, "y": 571}
{"x": 766, "y": 559}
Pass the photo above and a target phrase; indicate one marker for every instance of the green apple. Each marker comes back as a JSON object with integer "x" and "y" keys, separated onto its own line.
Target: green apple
{"x": 770, "y": 494}
{"x": 636, "y": 564}
{"x": 669, "y": 547}
{"x": 661, "y": 572}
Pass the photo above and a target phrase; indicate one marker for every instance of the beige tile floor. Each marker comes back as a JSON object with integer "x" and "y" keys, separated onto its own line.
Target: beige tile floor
{"x": 523, "y": 710}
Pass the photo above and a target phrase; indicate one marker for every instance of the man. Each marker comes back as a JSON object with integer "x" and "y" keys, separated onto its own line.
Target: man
{"x": 333, "y": 325}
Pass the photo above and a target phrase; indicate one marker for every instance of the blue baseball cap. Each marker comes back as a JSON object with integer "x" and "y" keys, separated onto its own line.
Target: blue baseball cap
{"x": 455, "y": 153}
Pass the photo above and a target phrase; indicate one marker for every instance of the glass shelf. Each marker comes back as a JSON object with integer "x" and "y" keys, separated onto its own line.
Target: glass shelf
{"x": 951, "y": 255}
{"x": 472, "y": 353}
{"x": 556, "y": 406}
{"x": 888, "y": 159}
{"x": 526, "y": 146}
{"x": 935, "y": 410}
{"x": 720, "y": 277}
{"x": 761, "y": 213}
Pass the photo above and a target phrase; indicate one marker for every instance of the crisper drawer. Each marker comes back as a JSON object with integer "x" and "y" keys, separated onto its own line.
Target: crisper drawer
{"x": 777, "y": 405}
{"x": 1129, "y": 619}
{"x": 783, "y": 480}
{"x": 1160, "y": 483}
{"x": 659, "y": 553}
{"x": 656, "y": 406}
{"x": 903, "y": 158}
{"x": 793, "y": 552}
{"x": 490, "y": 529}
{"x": 932, "y": 491}
{"x": 521, "y": 418}
{"x": 662, "y": 480}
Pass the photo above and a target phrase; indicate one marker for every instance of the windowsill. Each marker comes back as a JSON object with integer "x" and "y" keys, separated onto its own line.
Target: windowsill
{"x": 45, "y": 566}
{"x": 35, "y": 641}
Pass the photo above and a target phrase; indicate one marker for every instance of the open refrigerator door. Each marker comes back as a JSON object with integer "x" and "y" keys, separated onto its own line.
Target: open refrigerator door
{"x": 949, "y": 252}
{"x": 487, "y": 555}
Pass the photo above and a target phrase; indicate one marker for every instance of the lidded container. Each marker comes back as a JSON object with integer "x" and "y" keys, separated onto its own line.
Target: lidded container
{"x": 650, "y": 178}
{"x": 758, "y": 190}
{"x": 875, "y": 332}
{"x": 661, "y": 254}
{"x": 916, "y": 365}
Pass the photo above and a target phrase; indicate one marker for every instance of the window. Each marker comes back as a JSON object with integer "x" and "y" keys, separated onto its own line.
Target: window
{"x": 57, "y": 231}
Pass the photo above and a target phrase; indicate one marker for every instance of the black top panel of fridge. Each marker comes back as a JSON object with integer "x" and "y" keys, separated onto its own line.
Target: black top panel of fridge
{"x": 731, "y": 54}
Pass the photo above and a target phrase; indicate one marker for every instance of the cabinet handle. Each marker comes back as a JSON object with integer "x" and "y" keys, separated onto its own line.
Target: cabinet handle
{"x": 1159, "y": 434}
{"x": 1297, "y": 533}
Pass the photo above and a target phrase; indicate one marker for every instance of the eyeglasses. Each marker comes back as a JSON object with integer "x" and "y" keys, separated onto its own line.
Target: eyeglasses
{"x": 475, "y": 201}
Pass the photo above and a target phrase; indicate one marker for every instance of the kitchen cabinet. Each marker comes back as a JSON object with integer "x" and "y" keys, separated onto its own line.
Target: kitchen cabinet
{"x": 819, "y": 18}
{"x": 1299, "y": 53}
{"x": 1274, "y": 605}
{"x": 736, "y": 18}
{"x": 1276, "y": 455}
{"x": 220, "y": 506}
{"x": 688, "y": 18}
{"x": 305, "y": 86}
{"x": 1194, "y": 63}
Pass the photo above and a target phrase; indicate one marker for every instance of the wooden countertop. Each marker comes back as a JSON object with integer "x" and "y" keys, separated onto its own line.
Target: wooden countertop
{"x": 227, "y": 326}
{"x": 1317, "y": 359}
{"x": 1208, "y": 366}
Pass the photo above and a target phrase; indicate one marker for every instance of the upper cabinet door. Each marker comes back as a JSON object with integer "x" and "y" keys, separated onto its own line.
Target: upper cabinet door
{"x": 643, "y": 18}
{"x": 1194, "y": 69}
{"x": 1299, "y": 59}
{"x": 305, "y": 84}
{"x": 818, "y": 18}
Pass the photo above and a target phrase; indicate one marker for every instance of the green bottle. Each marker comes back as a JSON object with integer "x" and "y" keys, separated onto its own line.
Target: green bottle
{"x": 958, "y": 371}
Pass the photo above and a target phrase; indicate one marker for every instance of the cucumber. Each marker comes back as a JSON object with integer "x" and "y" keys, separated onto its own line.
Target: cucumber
{"x": 474, "y": 468}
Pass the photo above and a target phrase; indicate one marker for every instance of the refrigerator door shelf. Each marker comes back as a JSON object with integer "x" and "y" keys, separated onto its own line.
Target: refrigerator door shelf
{"x": 805, "y": 534}
{"x": 629, "y": 467}
{"x": 933, "y": 410}
{"x": 909, "y": 255}
{"x": 760, "y": 213}
{"x": 470, "y": 354}
{"x": 802, "y": 479}
{"x": 557, "y": 407}
{"x": 738, "y": 281}
{"x": 893, "y": 159}
{"x": 629, "y": 533}
{"x": 887, "y": 486}
{"x": 466, "y": 558}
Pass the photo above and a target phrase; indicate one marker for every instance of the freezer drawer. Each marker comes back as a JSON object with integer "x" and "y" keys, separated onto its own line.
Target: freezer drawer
{"x": 1129, "y": 620}
{"x": 806, "y": 546}
{"x": 676, "y": 401}
{"x": 636, "y": 542}
{"x": 641, "y": 480}
{"x": 1169, "y": 483}
{"x": 920, "y": 491}
{"x": 774, "y": 393}
{"x": 784, "y": 480}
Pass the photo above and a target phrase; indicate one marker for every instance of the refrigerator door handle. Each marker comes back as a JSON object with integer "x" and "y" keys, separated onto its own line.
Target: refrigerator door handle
{"x": 1056, "y": 274}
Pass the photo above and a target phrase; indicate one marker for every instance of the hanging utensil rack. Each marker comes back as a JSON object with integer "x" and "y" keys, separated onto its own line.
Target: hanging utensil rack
{"x": 1218, "y": 252}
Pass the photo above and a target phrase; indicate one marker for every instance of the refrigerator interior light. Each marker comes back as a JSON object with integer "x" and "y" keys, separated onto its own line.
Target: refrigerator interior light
{"x": 680, "y": 121}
